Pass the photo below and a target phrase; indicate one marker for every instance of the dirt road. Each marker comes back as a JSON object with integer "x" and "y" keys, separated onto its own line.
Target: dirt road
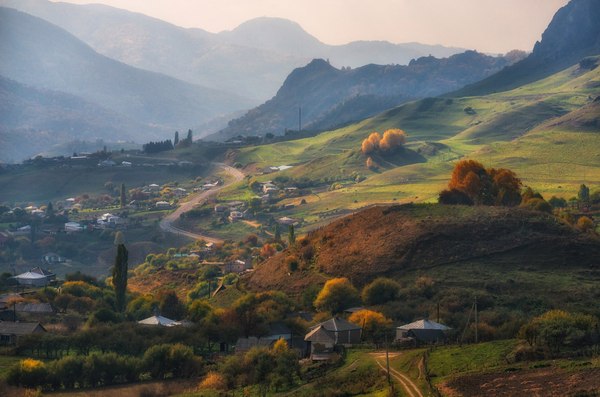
{"x": 410, "y": 388}
{"x": 166, "y": 224}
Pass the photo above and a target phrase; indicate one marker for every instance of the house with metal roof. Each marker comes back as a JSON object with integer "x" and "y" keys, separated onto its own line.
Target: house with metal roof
{"x": 10, "y": 332}
{"x": 422, "y": 331}
{"x": 343, "y": 332}
{"x": 158, "y": 320}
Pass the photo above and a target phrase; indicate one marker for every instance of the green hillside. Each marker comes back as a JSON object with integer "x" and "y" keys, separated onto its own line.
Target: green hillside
{"x": 545, "y": 131}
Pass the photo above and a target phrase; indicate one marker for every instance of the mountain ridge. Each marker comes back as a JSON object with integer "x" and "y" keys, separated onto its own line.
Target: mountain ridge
{"x": 211, "y": 59}
{"x": 322, "y": 91}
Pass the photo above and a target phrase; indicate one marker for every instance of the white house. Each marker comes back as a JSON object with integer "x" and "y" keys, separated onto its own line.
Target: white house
{"x": 109, "y": 220}
{"x": 154, "y": 187}
{"x": 73, "y": 227}
{"x": 107, "y": 163}
{"x": 33, "y": 279}
{"x": 235, "y": 215}
{"x": 163, "y": 205}
{"x": 158, "y": 320}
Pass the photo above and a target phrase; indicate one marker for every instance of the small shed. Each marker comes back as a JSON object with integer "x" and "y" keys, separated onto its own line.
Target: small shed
{"x": 10, "y": 332}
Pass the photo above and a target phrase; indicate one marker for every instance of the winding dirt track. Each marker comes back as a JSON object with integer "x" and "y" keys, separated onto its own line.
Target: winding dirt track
{"x": 166, "y": 224}
{"x": 408, "y": 385}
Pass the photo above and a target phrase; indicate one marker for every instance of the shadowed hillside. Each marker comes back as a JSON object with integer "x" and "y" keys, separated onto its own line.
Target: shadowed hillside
{"x": 393, "y": 241}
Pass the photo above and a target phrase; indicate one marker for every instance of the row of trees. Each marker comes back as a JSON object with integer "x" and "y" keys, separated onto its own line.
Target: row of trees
{"x": 103, "y": 369}
{"x": 158, "y": 146}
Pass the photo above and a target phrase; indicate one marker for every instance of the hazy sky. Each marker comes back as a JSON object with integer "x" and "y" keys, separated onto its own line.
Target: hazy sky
{"x": 485, "y": 25}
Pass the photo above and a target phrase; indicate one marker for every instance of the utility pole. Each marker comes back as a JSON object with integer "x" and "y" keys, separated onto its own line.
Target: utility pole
{"x": 387, "y": 359}
{"x": 476, "y": 322}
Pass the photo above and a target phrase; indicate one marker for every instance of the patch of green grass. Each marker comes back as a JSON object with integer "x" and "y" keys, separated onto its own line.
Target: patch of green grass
{"x": 6, "y": 362}
{"x": 452, "y": 360}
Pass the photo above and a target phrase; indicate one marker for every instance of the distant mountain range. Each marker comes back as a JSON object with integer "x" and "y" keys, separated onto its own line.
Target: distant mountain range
{"x": 251, "y": 60}
{"x": 330, "y": 97}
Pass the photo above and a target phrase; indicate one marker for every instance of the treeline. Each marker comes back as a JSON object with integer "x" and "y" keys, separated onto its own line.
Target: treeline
{"x": 102, "y": 369}
{"x": 159, "y": 146}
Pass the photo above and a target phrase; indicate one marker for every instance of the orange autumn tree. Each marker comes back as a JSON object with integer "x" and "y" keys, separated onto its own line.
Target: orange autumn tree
{"x": 392, "y": 139}
{"x": 371, "y": 143}
{"x": 471, "y": 183}
{"x": 374, "y": 324}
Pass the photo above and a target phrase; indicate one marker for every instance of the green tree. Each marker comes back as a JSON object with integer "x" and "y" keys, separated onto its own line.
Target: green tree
{"x": 584, "y": 194}
{"x": 189, "y": 137}
{"x": 123, "y": 196}
{"x": 49, "y": 210}
{"x": 119, "y": 272}
{"x": 277, "y": 232}
{"x": 176, "y": 140}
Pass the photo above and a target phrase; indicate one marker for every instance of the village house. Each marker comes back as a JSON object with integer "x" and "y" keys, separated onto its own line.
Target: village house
{"x": 51, "y": 258}
{"x": 73, "y": 227}
{"x": 162, "y": 205}
{"x": 422, "y": 332}
{"x": 236, "y": 266}
{"x": 235, "y": 215}
{"x": 126, "y": 164}
{"x": 153, "y": 187}
{"x": 180, "y": 192}
{"x": 32, "y": 279}
{"x": 10, "y": 332}
{"x": 324, "y": 337}
{"x": 158, "y": 320}
{"x": 106, "y": 163}
{"x": 109, "y": 220}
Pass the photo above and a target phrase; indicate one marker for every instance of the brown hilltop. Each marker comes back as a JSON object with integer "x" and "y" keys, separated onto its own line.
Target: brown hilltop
{"x": 391, "y": 240}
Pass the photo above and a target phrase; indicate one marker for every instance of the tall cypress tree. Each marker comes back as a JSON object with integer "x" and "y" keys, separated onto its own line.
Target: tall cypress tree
{"x": 189, "y": 137}
{"x": 119, "y": 272}
{"x": 176, "y": 141}
{"x": 291, "y": 235}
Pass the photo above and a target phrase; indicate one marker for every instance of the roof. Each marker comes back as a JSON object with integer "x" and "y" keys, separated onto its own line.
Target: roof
{"x": 279, "y": 328}
{"x": 337, "y": 324}
{"x": 354, "y": 309}
{"x": 43, "y": 272}
{"x": 28, "y": 307}
{"x": 157, "y": 320}
{"x": 424, "y": 324}
{"x": 30, "y": 276}
{"x": 319, "y": 335}
{"x": 11, "y": 328}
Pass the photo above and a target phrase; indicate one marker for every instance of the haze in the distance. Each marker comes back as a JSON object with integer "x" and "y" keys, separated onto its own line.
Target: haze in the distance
{"x": 484, "y": 25}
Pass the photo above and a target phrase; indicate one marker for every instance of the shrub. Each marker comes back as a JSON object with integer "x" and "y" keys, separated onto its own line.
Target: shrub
{"x": 214, "y": 381}
{"x": 380, "y": 291}
{"x": 28, "y": 373}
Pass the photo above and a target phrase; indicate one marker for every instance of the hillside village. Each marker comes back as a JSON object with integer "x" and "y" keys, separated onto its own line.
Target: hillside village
{"x": 441, "y": 245}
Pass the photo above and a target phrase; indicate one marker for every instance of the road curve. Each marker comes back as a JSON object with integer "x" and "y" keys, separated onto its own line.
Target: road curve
{"x": 166, "y": 224}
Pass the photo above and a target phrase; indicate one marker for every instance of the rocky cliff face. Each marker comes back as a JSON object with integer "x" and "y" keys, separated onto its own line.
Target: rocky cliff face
{"x": 573, "y": 33}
